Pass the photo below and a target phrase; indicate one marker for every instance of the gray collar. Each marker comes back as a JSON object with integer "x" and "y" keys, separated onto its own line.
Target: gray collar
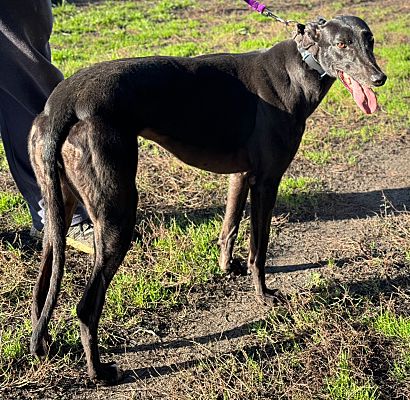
{"x": 310, "y": 60}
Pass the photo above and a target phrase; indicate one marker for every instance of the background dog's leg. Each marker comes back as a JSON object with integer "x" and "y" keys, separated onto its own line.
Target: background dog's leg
{"x": 42, "y": 286}
{"x": 263, "y": 197}
{"x": 237, "y": 195}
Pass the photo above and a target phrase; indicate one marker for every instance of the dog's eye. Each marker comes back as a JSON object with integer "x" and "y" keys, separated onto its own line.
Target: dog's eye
{"x": 341, "y": 45}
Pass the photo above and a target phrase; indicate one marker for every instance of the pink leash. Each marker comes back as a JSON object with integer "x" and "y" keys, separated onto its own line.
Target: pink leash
{"x": 256, "y": 6}
{"x": 262, "y": 9}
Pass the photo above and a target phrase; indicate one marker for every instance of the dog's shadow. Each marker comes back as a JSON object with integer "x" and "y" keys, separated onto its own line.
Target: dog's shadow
{"x": 370, "y": 289}
{"x": 321, "y": 206}
{"x": 318, "y": 206}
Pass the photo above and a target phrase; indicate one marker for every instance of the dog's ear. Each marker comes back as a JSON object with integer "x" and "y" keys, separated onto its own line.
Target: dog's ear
{"x": 311, "y": 34}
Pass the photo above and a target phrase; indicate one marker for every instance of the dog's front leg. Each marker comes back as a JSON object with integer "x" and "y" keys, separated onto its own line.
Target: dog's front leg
{"x": 263, "y": 196}
{"x": 237, "y": 195}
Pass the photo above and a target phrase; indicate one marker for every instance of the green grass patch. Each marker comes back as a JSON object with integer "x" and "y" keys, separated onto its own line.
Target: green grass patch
{"x": 396, "y": 327}
{"x": 340, "y": 133}
{"x": 3, "y": 159}
{"x": 12, "y": 343}
{"x": 344, "y": 387}
{"x": 318, "y": 157}
{"x": 135, "y": 290}
{"x": 407, "y": 256}
{"x": 86, "y": 35}
{"x": 9, "y": 202}
{"x": 14, "y": 206}
{"x": 400, "y": 371}
{"x": 183, "y": 254}
{"x": 395, "y": 95}
{"x": 392, "y": 325}
{"x": 65, "y": 333}
{"x": 299, "y": 191}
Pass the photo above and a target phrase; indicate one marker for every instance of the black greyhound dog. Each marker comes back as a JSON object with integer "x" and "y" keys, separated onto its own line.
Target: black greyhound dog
{"x": 239, "y": 114}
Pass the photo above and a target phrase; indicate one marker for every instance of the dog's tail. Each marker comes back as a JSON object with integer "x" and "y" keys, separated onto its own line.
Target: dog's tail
{"x": 54, "y": 130}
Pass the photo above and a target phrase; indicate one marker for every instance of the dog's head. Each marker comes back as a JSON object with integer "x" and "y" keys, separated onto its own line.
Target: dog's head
{"x": 344, "y": 48}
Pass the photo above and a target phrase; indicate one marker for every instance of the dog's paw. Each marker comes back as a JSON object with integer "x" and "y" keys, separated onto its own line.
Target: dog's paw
{"x": 40, "y": 347}
{"x": 272, "y": 297}
{"x": 107, "y": 373}
{"x": 235, "y": 266}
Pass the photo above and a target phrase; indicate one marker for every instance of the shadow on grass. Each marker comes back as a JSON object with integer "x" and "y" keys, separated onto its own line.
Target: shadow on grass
{"x": 371, "y": 289}
{"x": 321, "y": 206}
{"x": 339, "y": 206}
{"x": 252, "y": 351}
{"x": 302, "y": 208}
{"x": 298, "y": 267}
{"x": 21, "y": 240}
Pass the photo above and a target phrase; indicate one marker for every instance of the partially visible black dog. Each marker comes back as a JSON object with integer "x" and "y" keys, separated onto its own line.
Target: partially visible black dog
{"x": 239, "y": 114}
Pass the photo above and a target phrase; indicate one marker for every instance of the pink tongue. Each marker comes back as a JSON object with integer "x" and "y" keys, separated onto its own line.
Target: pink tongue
{"x": 364, "y": 97}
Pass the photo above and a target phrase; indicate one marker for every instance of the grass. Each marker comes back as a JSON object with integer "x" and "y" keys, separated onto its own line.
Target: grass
{"x": 3, "y": 160}
{"x": 343, "y": 335}
{"x": 185, "y": 254}
{"x": 13, "y": 206}
{"x": 391, "y": 325}
{"x": 397, "y": 328}
{"x": 297, "y": 193}
{"x": 137, "y": 31}
{"x": 344, "y": 387}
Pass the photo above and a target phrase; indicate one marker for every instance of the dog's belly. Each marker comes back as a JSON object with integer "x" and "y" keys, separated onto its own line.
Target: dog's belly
{"x": 206, "y": 158}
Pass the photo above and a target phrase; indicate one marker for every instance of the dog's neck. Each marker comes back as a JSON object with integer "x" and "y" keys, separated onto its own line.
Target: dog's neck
{"x": 296, "y": 77}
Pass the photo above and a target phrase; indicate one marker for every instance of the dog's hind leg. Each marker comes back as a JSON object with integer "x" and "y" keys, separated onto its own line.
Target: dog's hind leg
{"x": 106, "y": 185}
{"x": 113, "y": 231}
{"x": 237, "y": 195}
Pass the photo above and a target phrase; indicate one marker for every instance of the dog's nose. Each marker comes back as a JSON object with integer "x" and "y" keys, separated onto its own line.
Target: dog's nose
{"x": 378, "y": 79}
